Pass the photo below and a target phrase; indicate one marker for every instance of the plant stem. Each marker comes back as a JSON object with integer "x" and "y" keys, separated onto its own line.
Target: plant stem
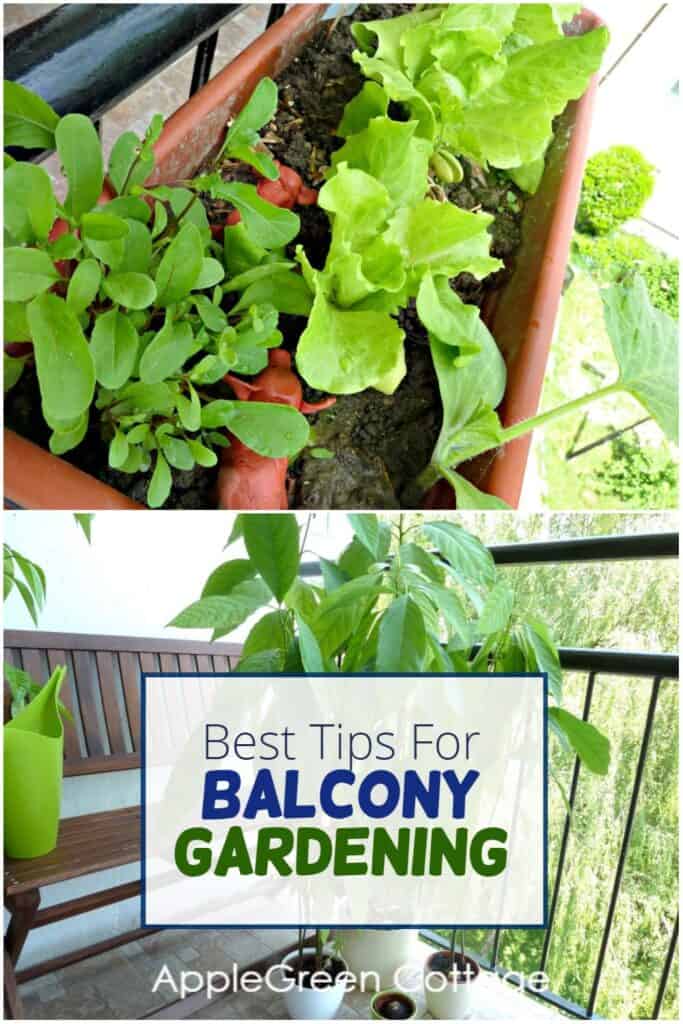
{"x": 526, "y": 426}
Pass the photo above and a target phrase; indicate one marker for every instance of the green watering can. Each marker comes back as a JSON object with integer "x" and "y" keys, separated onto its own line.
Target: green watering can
{"x": 34, "y": 744}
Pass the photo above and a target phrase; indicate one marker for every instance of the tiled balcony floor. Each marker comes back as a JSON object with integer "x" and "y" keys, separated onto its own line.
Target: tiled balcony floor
{"x": 118, "y": 985}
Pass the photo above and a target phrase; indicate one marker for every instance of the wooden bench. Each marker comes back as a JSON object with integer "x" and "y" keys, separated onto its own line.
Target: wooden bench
{"x": 102, "y": 691}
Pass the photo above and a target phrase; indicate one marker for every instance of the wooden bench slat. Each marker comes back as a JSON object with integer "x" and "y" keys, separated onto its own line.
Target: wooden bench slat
{"x": 87, "y": 843}
{"x": 112, "y": 711}
{"x": 130, "y": 677}
{"x": 87, "y": 689}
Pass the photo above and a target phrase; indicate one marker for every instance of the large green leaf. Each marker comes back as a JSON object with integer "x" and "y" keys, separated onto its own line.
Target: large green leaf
{"x": 80, "y": 154}
{"x": 590, "y": 745}
{"x": 228, "y": 575}
{"x": 84, "y": 285}
{"x": 462, "y": 551}
{"x": 541, "y": 654}
{"x": 272, "y": 632}
{"x": 28, "y": 120}
{"x": 272, "y": 543}
{"x": 390, "y": 152}
{"x": 114, "y": 346}
{"x": 311, "y": 655}
{"x": 30, "y": 205}
{"x": 27, "y": 273}
{"x": 130, "y": 289}
{"x": 444, "y": 239}
{"x": 495, "y": 615}
{"x": 278, "y": 431}
{"x": 167, "y": 352}
{"x": 645, "y": 343}
{"x": 180, "y": 266}
{"x": 366, "y": 527}
{"x": 344, "y": 351}
{"x": 402, "y": 641}
{"x": 64, "y": 363}
{"x": 224, "y": 612}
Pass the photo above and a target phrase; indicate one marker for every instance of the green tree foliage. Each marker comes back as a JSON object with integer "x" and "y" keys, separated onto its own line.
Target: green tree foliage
{"x": 616, "y": 185}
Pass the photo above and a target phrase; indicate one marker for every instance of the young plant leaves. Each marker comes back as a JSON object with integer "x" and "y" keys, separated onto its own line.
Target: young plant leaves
{"x": 84, "y": 285}
{"x": 80, "y": 153}
{"x": 402, "y": 641}
{"x": 278, "y": 431}
{"x": 30, "y": 206}
{"x": 114, "y": 347}
{"x": 27, "y": 273}
{"x": 167, "y": 352}
{"x": 180, "y": 266}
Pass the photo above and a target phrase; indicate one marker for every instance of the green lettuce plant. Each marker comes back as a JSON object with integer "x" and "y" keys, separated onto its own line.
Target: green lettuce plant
{"x": 418, "y": 599}
{"x": 134, "y": 311}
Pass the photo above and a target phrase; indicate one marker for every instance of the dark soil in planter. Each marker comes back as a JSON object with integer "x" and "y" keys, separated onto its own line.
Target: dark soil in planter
{"x": 443, "y": 963}
{"x": 305, "y": 968}
{"x": 380, "y": 442}
{"x": 394, "y": 1006}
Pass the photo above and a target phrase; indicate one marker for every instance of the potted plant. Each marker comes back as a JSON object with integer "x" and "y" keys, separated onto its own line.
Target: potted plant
{"x": 402, "y": 597}
{"x": 522, "y": 319}
{"x": 449, "y": 977}
{"x": 392, "y": 1004}
{"x": 318, "y": 972}
{"x": 377, "y": 950}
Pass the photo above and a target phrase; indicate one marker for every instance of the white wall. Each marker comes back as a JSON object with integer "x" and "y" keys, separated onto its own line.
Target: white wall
{"x": 138, "y": 573}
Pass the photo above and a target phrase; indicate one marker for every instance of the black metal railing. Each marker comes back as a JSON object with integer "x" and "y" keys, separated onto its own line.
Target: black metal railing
{"x": 86, "y": 58}
{"x": 656, "y": 667}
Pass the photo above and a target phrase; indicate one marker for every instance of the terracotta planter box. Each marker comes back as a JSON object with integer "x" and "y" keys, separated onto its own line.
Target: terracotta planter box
{"x": 521, "y": 316}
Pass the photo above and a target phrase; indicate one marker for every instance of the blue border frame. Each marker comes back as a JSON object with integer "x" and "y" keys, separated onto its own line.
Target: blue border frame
{"x": 337, "y": 675}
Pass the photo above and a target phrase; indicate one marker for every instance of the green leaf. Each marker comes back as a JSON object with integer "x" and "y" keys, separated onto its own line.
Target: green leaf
{"x": 127, "y": 167}
{"x": 444, "y": 239}
{"x": 14, "y": 322}
{"x": 12, "y": 370}
{"x": 160, "y": 484}
{"x": 180, "y": 267}
{"x": 273, "y": 632}
{"x": 176, "y": 451}
{"x": 495, "y": 615}
{"x": 29, "y": 121}
{"x": 84, "y": 285}
{"x": 85, "y": 521}
{"x": 267, "y": 225}
{"x": 272, "y": 542}
{"x": 645, "y": 343}
{"x": 333, "y": 576}
{"x": 592, "y": 748}
{"x": 462, "y": 551}
{"x": 391, "y": 152}
{"x": 470, "y": 497}
{"x": 278, "y": 431}
{"x": 223, "y": 579}
{"x": 311, "y": 655}
{"x": 167, "y": 352}
{"x": 371, "y": 101}
{"x": 413, "y": 554}
{"x": 135, "y": 291}
{"x": 114, "y": 346}
{"x": 340, "y": 612}
{"x": 27, "y": 273}
{"x": 402, "y": 641}
{"x": 137, "y": 249}
{"x": 118, "y": 450}
{"x": 30, "y": 206}
{"x": 80, "y": 154}
{"x": 212, "y": 316}
{"x": 64, "y": 364}
{"x": 541, "y": 654}
{"x": 103, "y": 227}
{"x": 344, "y": 351}
{"x": 64, "y": 440}
{"x": 66, "y": 247}
{"x": 211, "y": 273}
{"x": 189, "y": 410}
{"x": 366, "y": 527}
{"x": 242, "y": 137}
{"x": 224, "y": 612}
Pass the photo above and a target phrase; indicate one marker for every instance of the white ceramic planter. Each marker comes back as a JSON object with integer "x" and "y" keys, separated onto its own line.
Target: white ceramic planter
{"x": 454, "y": 1002}
{"x": 309, "y": 1003}
{"x": 381, "y": 950}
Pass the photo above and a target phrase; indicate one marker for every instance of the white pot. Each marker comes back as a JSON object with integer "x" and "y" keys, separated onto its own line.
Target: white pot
{"x": 381, "y": 950}
{"x": 454, "y": 1002}
{"x": 308, "y": 1003}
